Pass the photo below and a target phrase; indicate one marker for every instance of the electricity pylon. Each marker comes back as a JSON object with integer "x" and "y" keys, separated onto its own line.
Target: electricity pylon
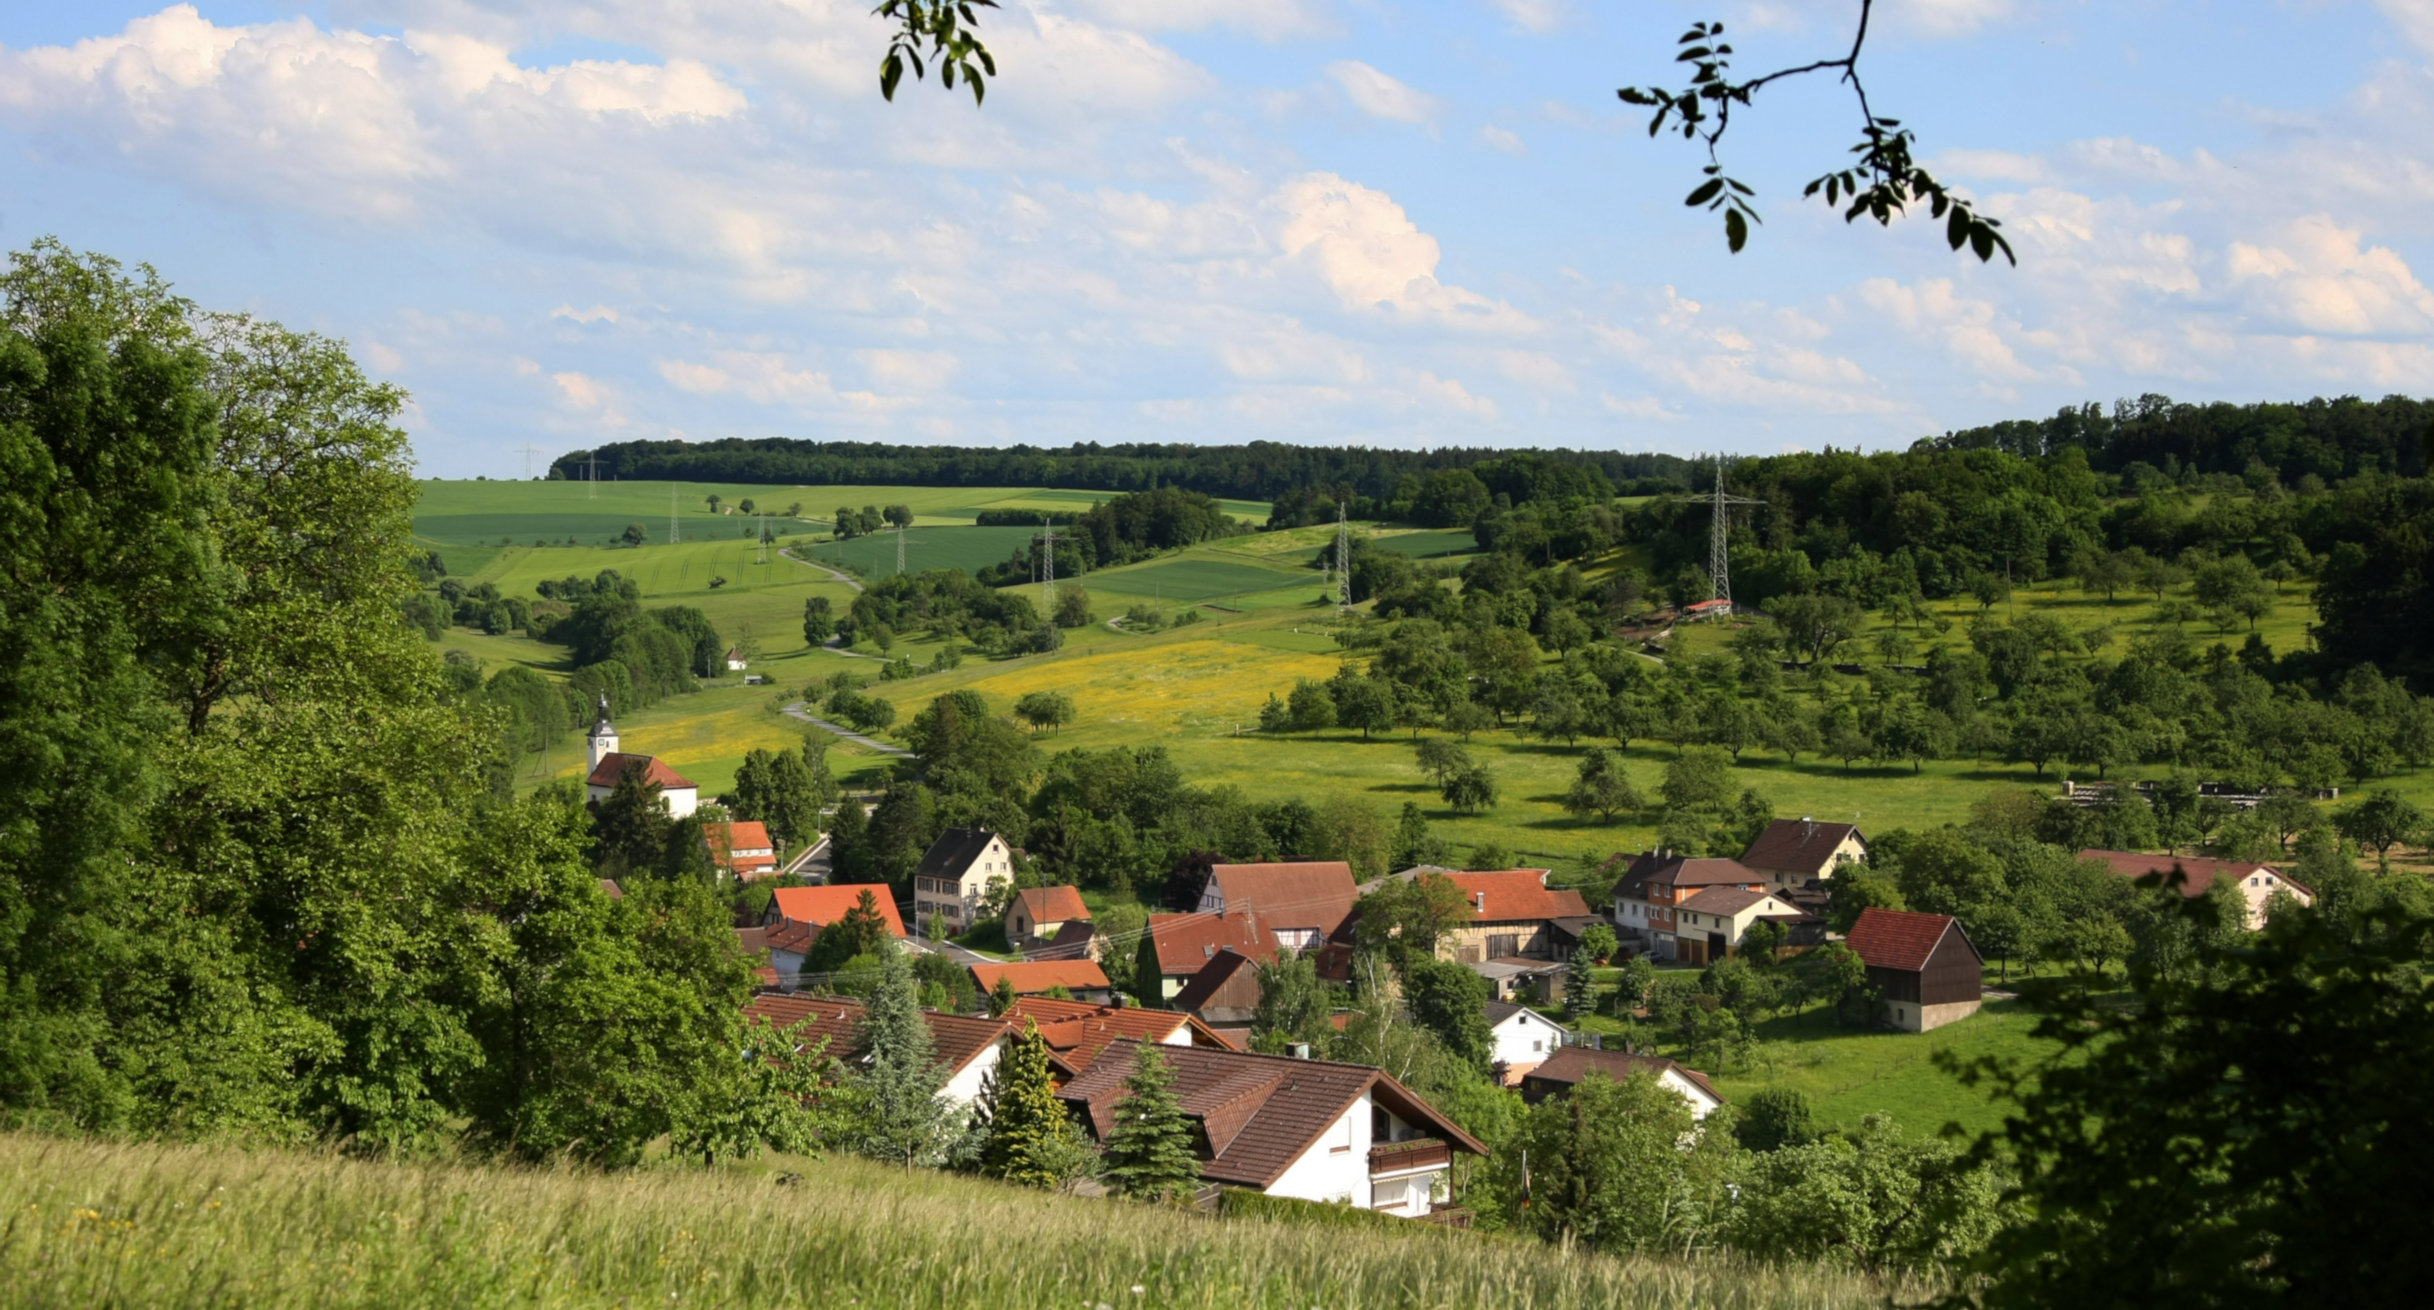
{"x": 1719, "y": 533}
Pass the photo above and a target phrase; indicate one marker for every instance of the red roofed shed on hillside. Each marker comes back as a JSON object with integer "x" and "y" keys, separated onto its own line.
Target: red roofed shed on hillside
{"x": 1924, "y": 964}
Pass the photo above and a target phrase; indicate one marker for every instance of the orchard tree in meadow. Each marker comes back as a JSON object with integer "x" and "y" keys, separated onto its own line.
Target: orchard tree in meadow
{"x": 716, "y": 500}
{"x": 744, "y": 506}
{"x": 1470, "y": 789}
{"x": 1045, "y": 709}
{"x": 2381, "y": 821}
{"x": 634, "y": 535}
{"x": 1440, "y": 757}
{"x": 1602, "y": 788}
{"x": 1310, "y": 707}
{"x": 819, "y": 621}
{"x": 1149, "y": 1154}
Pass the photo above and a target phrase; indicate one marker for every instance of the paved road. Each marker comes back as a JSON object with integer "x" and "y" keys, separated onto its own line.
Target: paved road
{"x": 953, "y": 952}
{"x": 797, "y": 711}
{"x": 846, "y": 578}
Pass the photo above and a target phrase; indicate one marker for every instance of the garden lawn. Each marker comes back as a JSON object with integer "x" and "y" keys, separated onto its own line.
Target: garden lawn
{"x": 1850, "y": 1073}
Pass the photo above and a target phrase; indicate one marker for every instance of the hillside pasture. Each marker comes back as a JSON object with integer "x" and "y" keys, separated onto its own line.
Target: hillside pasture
{"x": 925, "y": 547}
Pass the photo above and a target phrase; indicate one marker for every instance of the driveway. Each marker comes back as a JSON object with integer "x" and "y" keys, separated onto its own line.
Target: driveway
{"x": 797, "y": 711}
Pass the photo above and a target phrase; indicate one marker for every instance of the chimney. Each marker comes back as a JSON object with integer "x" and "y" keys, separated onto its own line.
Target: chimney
{"x": 1300, "y": 1050}
{"x": 1479, "y": 900}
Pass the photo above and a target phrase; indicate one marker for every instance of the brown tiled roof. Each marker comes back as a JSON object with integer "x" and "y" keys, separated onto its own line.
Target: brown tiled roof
{"x": 1052, "y": 904}
{"x": 1573, "y": 1063}
{"x": 1213, "y": 976}
{"x": 1654, "y": 870}
{"x": 752, "y": 941}
{"x": 2202, "y": 873}
{"x": 1897, "y": 939}
{"x": 1030, "y": 976}
{"x": 788, "y": 935}
{"x": 612, "y": 767}
{"x": 956, "y": 1039}
{"x": 1072, "y": 942}
{"x": 1723, "y": 900}
{"x": 825, "y": 905}
{"x": 1260, "y": 1112}
{"x": 1304, "y": 894}
{"x": 1078, "y": 1032}
{"x": 1797, "y": 844}
{"x": 1188, "y": 941}
{"x": 725, "y": 839}
{"x": 1515, "y": 894}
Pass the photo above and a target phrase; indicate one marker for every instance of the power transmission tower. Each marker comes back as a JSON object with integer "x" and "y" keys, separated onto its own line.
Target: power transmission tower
{"x": 529, "y": 450}
{"x": 760, "y": 536}
{"x": 1047, "y": 565}
{"x": 591, "y": 483}
{"x": 1343, "y": 560}
{"x": 1719, "y": 532}
{"x": 899, "y": 549}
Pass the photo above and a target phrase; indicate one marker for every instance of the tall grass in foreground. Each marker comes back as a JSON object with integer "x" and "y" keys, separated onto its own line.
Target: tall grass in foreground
{"x": 94, "y": 1224}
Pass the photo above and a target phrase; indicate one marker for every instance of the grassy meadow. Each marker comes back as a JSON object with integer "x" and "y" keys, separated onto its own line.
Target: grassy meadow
{"x": 96, "y": 1224}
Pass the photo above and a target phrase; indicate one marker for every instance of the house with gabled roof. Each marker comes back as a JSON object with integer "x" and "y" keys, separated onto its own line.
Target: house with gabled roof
{"x": 742, "y": 849}
{"x": 1646, "y": 896}
{"x": 969, "y": 1047}
{"x": 1186, "y": 943}
{"x": 1037, "y": 914}
{"x": 1795, "y": 852}
{"x": 1301, "y": 901}
{"x": 1077, "y": 1031}
{"x": 1924, "y": 965}
{"x": 1314, "y": 1130}
{"x": 797, "y": 914}
{"x": 956, "y": 876}
{"x": 1712, "y": 923}
{"x": 1522, "y": 1038}
{"x": 1081, "y": 980}
{"x": 2256, "y": 883}
{"x": 1565, "y": 1069}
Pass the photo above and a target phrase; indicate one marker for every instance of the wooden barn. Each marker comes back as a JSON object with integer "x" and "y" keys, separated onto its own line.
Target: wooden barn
{"x": 1924, "y": 964}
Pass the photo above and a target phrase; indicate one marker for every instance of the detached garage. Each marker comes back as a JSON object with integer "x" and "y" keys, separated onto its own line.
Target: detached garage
{"x": 1924, "y": 964}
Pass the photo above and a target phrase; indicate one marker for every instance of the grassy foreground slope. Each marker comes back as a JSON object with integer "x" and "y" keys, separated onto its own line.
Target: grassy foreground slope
{"x": 93, "y": 1224}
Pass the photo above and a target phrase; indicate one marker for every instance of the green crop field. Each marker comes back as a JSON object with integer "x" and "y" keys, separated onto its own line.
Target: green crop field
{"x": 925, "y": 547}
{"x": 1198, "y": 577}
{"x": 96, "y": 1223}
{"x": 1429, "y": 544}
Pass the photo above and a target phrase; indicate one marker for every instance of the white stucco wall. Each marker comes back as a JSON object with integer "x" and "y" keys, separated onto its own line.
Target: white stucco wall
{"x": 1326, "y": 1174}
{"x": 1701, "y": 1104}
{"x": 1514, "y": 1036}
{"x": 964, "y": 1087}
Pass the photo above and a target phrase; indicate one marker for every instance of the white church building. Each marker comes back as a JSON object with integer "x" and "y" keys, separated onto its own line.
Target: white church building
{"x": 609, "y": 764}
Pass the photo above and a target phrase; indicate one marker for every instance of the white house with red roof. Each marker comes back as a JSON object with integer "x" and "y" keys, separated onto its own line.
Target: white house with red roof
{"x": 610, "y": 765}
{"x": 796, "y": 915}
{"x": 741, "y": 849}
{"x": 2256, "y": 883}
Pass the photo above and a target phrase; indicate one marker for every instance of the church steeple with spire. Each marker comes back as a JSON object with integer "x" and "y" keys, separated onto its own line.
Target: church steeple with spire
{"x": 603, "y": 737}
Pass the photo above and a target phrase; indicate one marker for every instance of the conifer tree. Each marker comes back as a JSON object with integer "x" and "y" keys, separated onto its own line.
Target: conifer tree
{"x": 908, "y": 1119}
{"x": 1149, "y": 1155}
{"x": 1577, "y": 984}
{"x": 1031, "y": 1139}
{"x": 1001, "y": 997}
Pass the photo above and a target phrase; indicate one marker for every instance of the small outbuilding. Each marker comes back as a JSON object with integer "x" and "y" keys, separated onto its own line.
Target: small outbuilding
{"x": 1924, "y": 964}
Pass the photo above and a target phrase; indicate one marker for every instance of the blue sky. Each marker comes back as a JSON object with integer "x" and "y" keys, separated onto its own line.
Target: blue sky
{"x": 558, "y": 223}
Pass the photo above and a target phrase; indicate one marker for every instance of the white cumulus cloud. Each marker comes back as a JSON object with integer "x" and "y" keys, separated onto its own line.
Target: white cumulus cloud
{"x": 1378, "y": 95}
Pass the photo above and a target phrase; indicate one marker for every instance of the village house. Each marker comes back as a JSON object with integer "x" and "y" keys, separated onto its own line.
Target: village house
{"x": 1223, "y": 995}
{"x": 1712, "y": 924}
{"x": 956, "y": 874}
{"x": 1523, "y": 1038}
{"x": 1313, "y": 1130}
{"x": 742, "y": 849}
{"x": 610, "y": 765}
{"x": 1796, "y": 852}
{"x": 969, "y": 1047}
{"x": 2258, "y": 884}
{"x": 736, "y": 663}
{"x": 1513, "y": 913}
{"x": 1082, "y": 980}
{"x": 1924, "y": 964}
{"x": 1566, "y": 1068}
{"x": 797, "y": 914}
{"x": 1184, "y": 944}
{"x": 1076, "y": 1031}
{"x": 1037, "y": 914}
{"x": 1301, "y": 902}
{"x": 1646, "y": 896}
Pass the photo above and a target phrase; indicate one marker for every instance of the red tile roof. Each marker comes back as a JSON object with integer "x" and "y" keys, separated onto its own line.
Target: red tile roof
{"x": 612, "y": 767}
{"x": 2202, "y": 873}
{"x": 1510, "y": 895}
{"x": 1188, "y": 941}
{"x": 1260, "y": 1112}
{"x": 1051, "y": 904}
{"x": 825, "y": 905}
{"x": 957, "y": 1039}
{"x": 1304, "y": 894}
{"x": 1897, "y": 939}
{"x": 1723, "y": 900}
{"x": 1030, "y": 976}
{"x": 1804, "y": 845}
{"x": 1078, "y": 1032}
{"x": 725, "y": 840}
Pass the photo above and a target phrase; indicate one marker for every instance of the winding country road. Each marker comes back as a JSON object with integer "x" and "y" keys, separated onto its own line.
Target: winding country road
{"x": 796, "y": 711}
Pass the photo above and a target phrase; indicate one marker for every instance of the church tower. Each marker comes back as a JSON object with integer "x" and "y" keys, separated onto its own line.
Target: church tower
{"x": 602, "y": 738}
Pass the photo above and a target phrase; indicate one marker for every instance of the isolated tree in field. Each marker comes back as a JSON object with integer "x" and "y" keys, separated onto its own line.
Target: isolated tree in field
{"x": 819, "y": 621}
{"x": 1467, "y": 716}
{"x": 899, "y": 516}
{"x": 744, "y": 506}
{"x": 846, "y": 523}
{"x": 1813, "y": 625}
{"x": 1440, "y": 757}
{"x": 1470, "y": 789}
{"x": 1602, "y": 788}
{"x": 634, "y": 535}
{"x": 901, "y": 1077}
{"x": 715, "y": 500}
{"x": 1274, "y": 717}
{"x": 1045, "y": 709}
{"x": 1031, "y": 1140}
{"x": 2381, "y": 821}
{"x": 1073, "y": 607}
{"x": 1311, "y": 708}
{"x": 1366, "y": 704}
{"x": 1149, "y": 1154}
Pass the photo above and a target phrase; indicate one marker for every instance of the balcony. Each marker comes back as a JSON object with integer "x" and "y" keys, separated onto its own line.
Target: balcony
{"x": 1406, "y": 1157}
